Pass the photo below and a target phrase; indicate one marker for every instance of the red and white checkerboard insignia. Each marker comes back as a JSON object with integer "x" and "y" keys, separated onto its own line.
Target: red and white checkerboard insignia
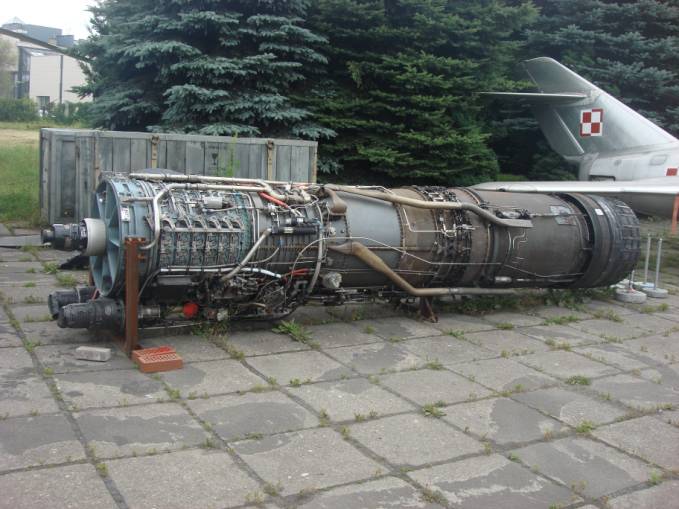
{"x": 591, "y": 122}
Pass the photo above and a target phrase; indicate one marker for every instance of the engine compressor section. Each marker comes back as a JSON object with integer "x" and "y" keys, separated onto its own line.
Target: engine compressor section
{"x": 221, "y": 248}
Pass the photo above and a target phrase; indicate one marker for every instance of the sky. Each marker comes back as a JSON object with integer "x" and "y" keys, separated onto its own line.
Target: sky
{"x": 69, "y": 15}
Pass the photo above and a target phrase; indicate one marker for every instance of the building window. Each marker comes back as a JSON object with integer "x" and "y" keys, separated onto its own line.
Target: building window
{"x": 43, "y": 104}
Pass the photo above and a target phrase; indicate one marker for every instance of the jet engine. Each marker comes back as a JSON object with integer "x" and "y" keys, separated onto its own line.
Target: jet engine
{"x": 222, "y": 248}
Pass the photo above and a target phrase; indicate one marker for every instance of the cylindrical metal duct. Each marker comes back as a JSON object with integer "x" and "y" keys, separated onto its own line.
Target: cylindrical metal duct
{"x": 246, "y": 248}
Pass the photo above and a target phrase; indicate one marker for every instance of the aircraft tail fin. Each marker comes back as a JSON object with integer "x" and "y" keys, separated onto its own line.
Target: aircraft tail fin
{"x": 578, "y": 118}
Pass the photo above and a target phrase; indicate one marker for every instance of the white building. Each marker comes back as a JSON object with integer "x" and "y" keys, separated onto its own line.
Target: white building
{"x": 43, "y": 71}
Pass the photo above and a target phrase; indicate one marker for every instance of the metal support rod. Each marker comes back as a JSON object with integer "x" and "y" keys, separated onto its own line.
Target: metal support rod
{"x": 675, "y": 214}
{"x": 648, "y": 256}
{"x": 132, "y": 259}
{"x": 376, "y": 263}
{"x": 656, "y": 283}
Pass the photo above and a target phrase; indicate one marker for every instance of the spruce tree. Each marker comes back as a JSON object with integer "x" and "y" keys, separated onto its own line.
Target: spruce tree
{"x": 402, "y": 83}
{"x": 202, "y": 66}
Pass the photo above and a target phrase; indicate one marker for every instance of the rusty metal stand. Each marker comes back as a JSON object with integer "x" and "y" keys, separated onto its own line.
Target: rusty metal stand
{"x": 675, "y": 214}
{"x": 130, "y": 341}
{"x": 427, "y": 310}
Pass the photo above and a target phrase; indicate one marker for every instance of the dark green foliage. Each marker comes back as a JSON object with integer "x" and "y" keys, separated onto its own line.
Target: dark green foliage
{"x": 18, "y": 110}
{"x": 207, "y": 66}
{"x": 402, "y": 84}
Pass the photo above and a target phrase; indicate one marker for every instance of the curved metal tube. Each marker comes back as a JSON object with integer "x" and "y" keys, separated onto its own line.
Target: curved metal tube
{"x": 423, "y": 204}
{"x": 376, "y": 263}
{"x": 265, "y": 235}
{"x": 167, "y": 177}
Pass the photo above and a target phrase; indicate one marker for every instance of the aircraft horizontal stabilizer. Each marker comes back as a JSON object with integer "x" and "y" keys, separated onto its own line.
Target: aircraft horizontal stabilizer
{"x": 537, "y": 98}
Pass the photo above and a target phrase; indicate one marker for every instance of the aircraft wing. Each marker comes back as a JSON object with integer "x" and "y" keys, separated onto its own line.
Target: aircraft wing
{"x": 648, "y": 196}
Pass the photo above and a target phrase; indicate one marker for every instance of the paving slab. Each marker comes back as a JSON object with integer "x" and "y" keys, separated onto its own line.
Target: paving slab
{"x": 62, "y": 359}
{"x": 311, "y": 365}
{"x": 377, "y": 358}
{"x": 25, "y": 396}
{"x": 8, "y": 336}
{"x": 586, "y": 466}
{"x": 646, "y": 437}
{"x": 356, "y": 398}
{"x": 617, "y": 355}
{"x": 32, "y": 294}
{"x": 608, "y": 329}
{"x": 502, "y": 421}
{"x": 447, "y": 350}
{"x": 15, "y": 364}
{"x": 425, "y": 386}
{"x": 200, "y": 479}
{"x": 637, "y": 392}
{"x": 454, "y": 322}
{"x": 343, "y": 334}
{"x": 397, "y": 328}
{"x": 23, "y": 262}
{"x": 664, "y": 349}
{"x": 312, "y": 315}
{"x": 667, "y": 375}
{"x": 45, "y": 488}
{"x": 4, "y": 231}
{"x": 212, "y": 377}
{"x": 669, "y": 416}
{"x": 571, "y": 407}
{"x": 306, "y": 460}
{"x": 382, "y": 493}
{"x": 139, "y": 429}
{"x": 606, "y": 306}
{"x": 516, "y": 319}
{"x": 413, "y": 439}
{"x": 550, "y": 312}
{"x": 506, "y": 342}
{"x": 564, "y": 364}
{"x": 657, "y": 497}
{"x": 649, "y": 322}
{"x": 190, "y": 348}
{"x": 31, "y": 313}
{"x": 263, "y": 342}
{"x": 108, "y": 388}
{"x": 492, "y": 481}
{"x": 503, "y": 374}
{"x": 559, "y": 335}
{"x": 34, "y": 441}
{"x": 238, "y": 417}
{"x": 49, "y": 333}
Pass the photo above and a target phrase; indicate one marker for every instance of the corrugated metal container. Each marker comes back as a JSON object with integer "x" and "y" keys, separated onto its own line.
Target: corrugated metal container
{"x": 71, "y": 161}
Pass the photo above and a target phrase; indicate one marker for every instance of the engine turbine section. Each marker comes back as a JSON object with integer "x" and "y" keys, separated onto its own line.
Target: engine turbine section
{"x": 220, "y": 248}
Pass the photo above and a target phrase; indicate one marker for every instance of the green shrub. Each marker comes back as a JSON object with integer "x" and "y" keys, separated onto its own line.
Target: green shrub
{"x": 18, "y": 110}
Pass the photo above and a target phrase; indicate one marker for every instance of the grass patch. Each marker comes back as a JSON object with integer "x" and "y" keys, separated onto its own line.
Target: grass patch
{"x": 296, "y": 331}
{"x": 607, "y": 314}
{"x": 20, "y": 177}
{"x": 30, "y": 284}
{"x": 561, "y": 320}
{"x": 434, "y": 364}
{"x": 433, "y": 409}
{"x": 505, "y": 326}
{"x": 67, "y": 280}
{"x": 578, "y": 380}
{"x": 585, "y": 427}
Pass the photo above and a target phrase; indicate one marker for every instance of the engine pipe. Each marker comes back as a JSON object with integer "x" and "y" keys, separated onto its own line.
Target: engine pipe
{"x": 246, "y": 248}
